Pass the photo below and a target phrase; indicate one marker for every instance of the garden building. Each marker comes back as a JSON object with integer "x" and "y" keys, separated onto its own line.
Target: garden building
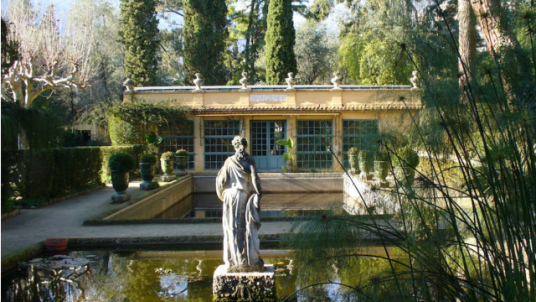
{"x": 323, "y": 121}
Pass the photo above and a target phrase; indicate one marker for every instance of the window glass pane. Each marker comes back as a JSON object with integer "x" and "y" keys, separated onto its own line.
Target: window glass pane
{"x": 179, "y": 137}
{"x": 218, "y": 137}
{"x": 360, "y": 134}
{"x": 314, "y": 141}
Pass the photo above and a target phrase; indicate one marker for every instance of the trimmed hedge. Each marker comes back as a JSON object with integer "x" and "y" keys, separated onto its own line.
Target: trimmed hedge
{"x": 39, "y": 175}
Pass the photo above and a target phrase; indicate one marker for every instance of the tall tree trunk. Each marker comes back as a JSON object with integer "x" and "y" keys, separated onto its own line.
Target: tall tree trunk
{"x": 504, "y": 48}
{"x": 467, "y": 45}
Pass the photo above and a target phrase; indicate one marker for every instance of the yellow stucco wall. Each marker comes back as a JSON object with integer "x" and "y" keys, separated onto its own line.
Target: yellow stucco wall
{"x": 388, "y": 106}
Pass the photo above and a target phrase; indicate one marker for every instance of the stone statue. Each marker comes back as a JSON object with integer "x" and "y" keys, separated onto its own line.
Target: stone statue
{"x": 414, "y": 80}
{"x": 238, "y": 186}
{"x": 244, "y": 81}
{"x": 337, "y": 80}
{"x": 290, "y": 81}
{"x": 198, "y": 81}
{"x": 128, "y": 83}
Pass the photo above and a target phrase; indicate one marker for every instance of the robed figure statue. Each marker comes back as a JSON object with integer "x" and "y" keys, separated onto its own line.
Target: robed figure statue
{"x": 238, "y": 187}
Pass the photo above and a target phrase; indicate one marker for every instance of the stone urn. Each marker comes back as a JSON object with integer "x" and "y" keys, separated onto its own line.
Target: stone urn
{"x": 381, "y": 168}
{"x": 181, "y": 164}
{"x": 354, "y": 165}
{"x": 167, "y": 166}
{"x": 198, "y": 81}
{"x": 405, "y": 175}
{"x": 366, "y": 163}
{"x": 167, "y": 161}
{"x": 148, "y": 172}
{"x": 120, "y": 181}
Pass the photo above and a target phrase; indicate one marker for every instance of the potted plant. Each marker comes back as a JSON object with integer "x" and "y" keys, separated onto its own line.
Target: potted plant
{"x": 405, "y": 162}
{"x": 381, "y": 165}
{"x": 289, "y": 156}
{"x": 120, "y": 164}
{"x": 352, "y": 159}
{"x": 167, "y": 159}
{"x": 182, "y": 159}
{"x": 148, "y": 170}
{"x": 366, "y": 162}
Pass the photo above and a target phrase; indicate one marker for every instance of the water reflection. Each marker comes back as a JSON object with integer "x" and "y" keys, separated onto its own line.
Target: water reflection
{"x": 144, "y": 276}
{"x": 272, "y": 205}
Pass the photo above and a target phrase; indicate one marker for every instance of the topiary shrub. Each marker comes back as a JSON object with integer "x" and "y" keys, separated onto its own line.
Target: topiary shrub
{"x": 122, "y": 162}
{"x": 406, "y": 157}
{"x": 353, "y": 151}
{"x": 181, "y": 152}
{"x": 167, "y": 155}
{"x": 148, "y": 158}
{"x": 382, "y": 156}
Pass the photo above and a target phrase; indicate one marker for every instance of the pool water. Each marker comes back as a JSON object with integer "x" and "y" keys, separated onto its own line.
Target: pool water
{"x": 146, "y": 276}
{"x": 200, "y": 205}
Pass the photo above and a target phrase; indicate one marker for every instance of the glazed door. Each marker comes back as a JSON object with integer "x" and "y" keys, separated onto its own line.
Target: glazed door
{"x": 267, "y": 154}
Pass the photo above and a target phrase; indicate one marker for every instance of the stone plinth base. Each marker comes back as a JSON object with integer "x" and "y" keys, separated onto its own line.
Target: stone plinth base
{"x": 120, "y": 198}
{"x": 167, "y": 178}
{"x": 258, "y": 286}
{"x": 147, "y": 186}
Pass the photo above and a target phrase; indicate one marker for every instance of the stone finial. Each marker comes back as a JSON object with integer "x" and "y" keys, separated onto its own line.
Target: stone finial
{"x": 198, "y": 81}
{"x": 337, "y": 80}
{"x": 244, "y": 81}
{"x": 128, "y": 83}
{"x": 290, "y": 81}
{"x": 414, "y": 80}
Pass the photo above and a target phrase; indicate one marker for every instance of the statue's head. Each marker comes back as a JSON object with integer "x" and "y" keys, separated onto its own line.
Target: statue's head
{"x": 239, "y": 141}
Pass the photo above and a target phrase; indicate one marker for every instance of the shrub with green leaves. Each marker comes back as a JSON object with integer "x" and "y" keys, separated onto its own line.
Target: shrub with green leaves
{"x": 167, "y": 155}
{"x": 406, "y": 157}
{"x": 148, "y": 158}
{"x": 181, "y": 152}
{"x": 353, "y": 151}
{"x": 121, "y": 162}
{"x": 382, "y": 156}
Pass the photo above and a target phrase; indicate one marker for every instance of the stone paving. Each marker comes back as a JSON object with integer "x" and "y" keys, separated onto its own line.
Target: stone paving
{"x": 65, "y": 219}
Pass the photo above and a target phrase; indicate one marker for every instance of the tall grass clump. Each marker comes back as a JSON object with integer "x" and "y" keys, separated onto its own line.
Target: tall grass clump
{"x": 471, "y": 238}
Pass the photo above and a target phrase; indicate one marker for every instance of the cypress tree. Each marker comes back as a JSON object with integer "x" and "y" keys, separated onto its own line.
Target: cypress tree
{"x": 205, "y": 31}
{"x": 140, "y": 38}
{"x": 280, "y": 40}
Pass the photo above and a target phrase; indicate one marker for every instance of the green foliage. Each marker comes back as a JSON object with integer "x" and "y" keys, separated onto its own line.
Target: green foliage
{"x": 148, "y": 158}
{"x": 167, "y": 156}
{"x": 135, "y": 150}
{"x": 39, "y": 175}
{"x": 353, "y": 151}
{"x": 181, "y": 152}
{"x": 9, "y": 48}
{"x": 122, "y": 132}
{"x": 406, "y": 157}
{"x": 10, "y": 175}
{"x": 205, "y": 31}
{"x": 382, "y": 156}
{"x": 122, "y": 162}
{"x": 280, "y": 40}
{"x": 315, "y": 54}
{"x": 140, "y": 38}
{"x": 153, "y": 140}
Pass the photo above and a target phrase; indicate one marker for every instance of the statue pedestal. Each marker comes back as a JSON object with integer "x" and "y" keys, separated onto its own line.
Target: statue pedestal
{"x": 256, "y": 286}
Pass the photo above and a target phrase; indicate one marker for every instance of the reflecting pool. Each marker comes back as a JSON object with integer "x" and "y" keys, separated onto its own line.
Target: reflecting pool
{"x": 200, "y": 205}
{"x": 140, "y": 276}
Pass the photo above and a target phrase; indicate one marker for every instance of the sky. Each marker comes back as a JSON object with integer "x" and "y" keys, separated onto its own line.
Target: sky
{"x": 63, "y": 6}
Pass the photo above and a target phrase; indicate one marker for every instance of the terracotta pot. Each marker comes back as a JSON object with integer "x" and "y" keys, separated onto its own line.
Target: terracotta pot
{"x": 56, "y": 244}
